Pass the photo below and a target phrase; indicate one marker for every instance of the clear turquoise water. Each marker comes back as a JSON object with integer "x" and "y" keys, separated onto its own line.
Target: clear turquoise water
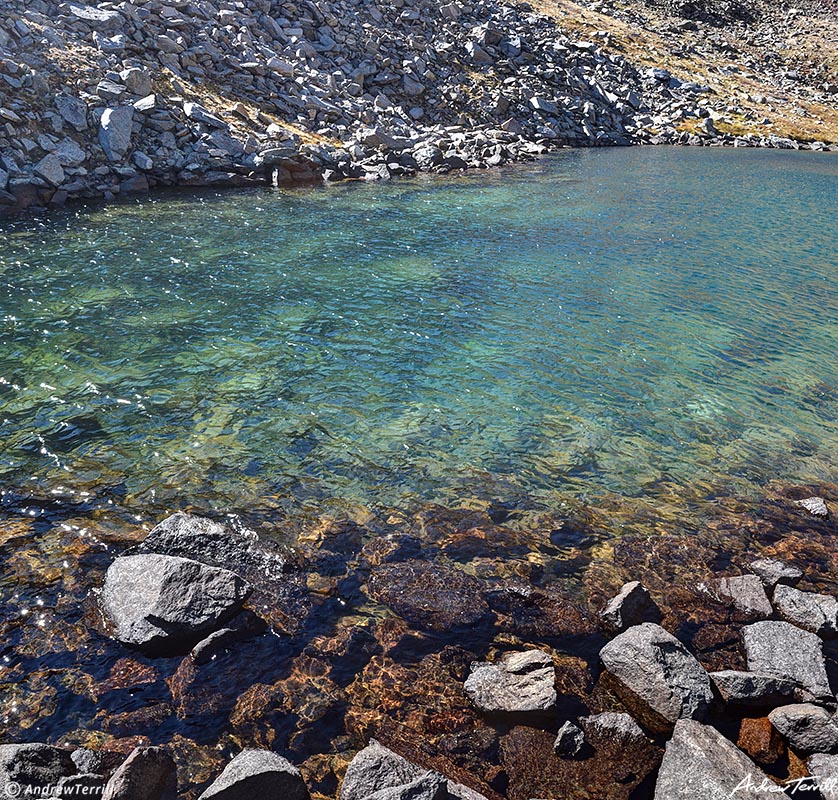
{"x": 598, "y": 321}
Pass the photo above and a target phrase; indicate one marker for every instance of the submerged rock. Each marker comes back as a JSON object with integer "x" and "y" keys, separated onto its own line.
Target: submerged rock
{"x": 258, "y": 774}
{"x": 700, "y": 764}
{"x": 161, "y": 603}
{"x": 755, "y": 690}
{"x": 149, "y": 773}
{"x": 807, "y": 728}
{"x": 633, "y": 605}
{"x": 517, "y": 684}
{"x": 657, "y": 678}
{"x": 783, "y": 650}
{"x": 744, "y": 593}
{"x": 772, "y": 572}
{"x": 813, "y": 612}
{"x": 430, "y": 595}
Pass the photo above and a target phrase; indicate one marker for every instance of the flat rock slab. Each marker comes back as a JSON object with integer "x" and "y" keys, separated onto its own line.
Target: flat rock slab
{"x": 657, "y": 678}
{"x": 163, "y": 603}
{"x": 755, "y": 690}
{"x": 700, "y": 764}
{"x": 430, "y": 595}
{"x": 744, "y": 593}
{"x": 813, "y": 612}
{"x": 633, "y": 605}
{"x": 783, "y": 650}
{"x": 519, "y": 683}
{"x": 807, "y": 728}
{"x": 772, "y": 572}
{"x": 258, "y": 775}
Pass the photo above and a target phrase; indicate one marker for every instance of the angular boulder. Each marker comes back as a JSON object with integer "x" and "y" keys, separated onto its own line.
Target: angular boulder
{"x": 700, "y": 764}
{"x": 785, "y": 651}
{"x": 807, "y": 728}
{"x": 520, "y": 683}
{"x": 258, "y": 774}
{"x": 377, "y": 772}
{"x": 164, "y": 603}
{"x": 744, "y": 593}
{"x": 657, "y": 678}
{"x": 755, "y": 690}
{"x": 633, "y": 605}
{"x": 149, "y": 773}
{"x": 616, "y": 726}
{"x": 115, "y": 129}
{"x": 569, "y": 741}
{"x": 824, "y": 771}
{"x": 813, "y": 612}
{"x": 772, "y": 572}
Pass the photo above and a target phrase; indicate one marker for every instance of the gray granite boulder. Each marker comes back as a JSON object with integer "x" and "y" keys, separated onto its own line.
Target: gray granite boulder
{"x": 115, "y": 129}
{"x": 772, "y": 572}
{"x": 807, "y": 728}
{"x": 744, "y": 593}
{"x": 569, "y": 741}
{"x": 33, "y": 765}
{"x": 813, "y": 612}
{"x": 147, "y": 774}
{"x": 517, "y": 684}
{"x": 163, "y": 603}
{"x": 824, "y": 771}
{"x": 700, "y": 764}
{"x": 785, "y": 651}
{"x": 755, "y": 690}
{"x": 258, "y": 774}
{"x": 616, "y": 726}
{"x": 631, "y": 606}
{"x": 657, "y": 678}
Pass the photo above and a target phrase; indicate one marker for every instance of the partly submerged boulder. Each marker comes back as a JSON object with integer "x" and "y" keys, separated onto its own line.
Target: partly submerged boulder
{"x": 813, "y": 612}
{"x": 657, "y": 678}
{"x": 633, "y": 605}
{"x": 163, "y": 603}
{"x": 519, "y": 683}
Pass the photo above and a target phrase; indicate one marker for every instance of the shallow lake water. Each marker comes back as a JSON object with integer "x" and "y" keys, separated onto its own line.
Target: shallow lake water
{"x": 601, "y": 366}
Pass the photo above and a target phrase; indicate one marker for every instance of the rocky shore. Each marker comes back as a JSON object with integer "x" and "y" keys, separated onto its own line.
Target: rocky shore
{"x": 693, "y": 689}
{"x": 104, "y": 100}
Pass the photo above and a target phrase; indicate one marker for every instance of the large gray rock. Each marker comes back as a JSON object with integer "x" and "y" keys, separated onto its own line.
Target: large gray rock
{"x": 813, "y": 612}
{"x": 149, "y": 773}
{"x": 754, "y": 690}
{"x": 519, "y": 683}
{"x": 658, "y": 679}
{"x": 99, "y": 19}
{"x": 258, "y": 774}
{"x": 745, "y": 593}
{"x": 807, "y": 728}
{"x": 783, "y": 650}
{"x": 824, "y": 771}
{"x": 49, "y": 168}
{"x": 700, "y": 764}
{"x": 615, "y": 726}
{"x": 33, "y": 765}
{"x": 115, "y": 130}
{"x": 378, "y": 772}
{"x": 163, "y": 603}
{"x": 633, "y": 605}
{"x": 216, "y": 544}
{"x": 73, "y": 110}
{"x": 772, "y": 572}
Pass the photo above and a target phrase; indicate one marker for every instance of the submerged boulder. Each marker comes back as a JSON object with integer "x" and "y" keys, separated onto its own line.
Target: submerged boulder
{"x": 519, "y": 683}
{"x": 772, "y": 572}
{"x": 633, "y": 605}
{"x": 700, "y": 764}
{"x": 258, "y": 774}
{"x": 783, "y": 650}
{"x": 657, "y": 678}
{"x": 164, "y": 603}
